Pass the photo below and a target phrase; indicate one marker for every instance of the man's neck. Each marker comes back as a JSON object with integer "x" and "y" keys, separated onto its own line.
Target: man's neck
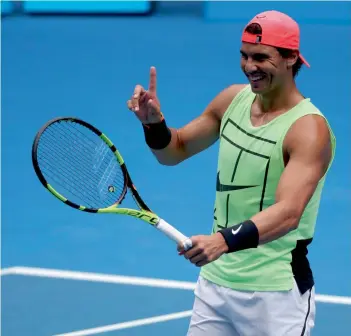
{"x": 283, "y": 98}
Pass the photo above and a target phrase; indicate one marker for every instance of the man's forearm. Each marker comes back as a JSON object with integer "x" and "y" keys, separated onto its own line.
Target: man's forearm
{"x": 172, "y": 146}
{"x": 172, "y": 154}
{"x": 275, "y": 221}
{"x": 264, "y": 227}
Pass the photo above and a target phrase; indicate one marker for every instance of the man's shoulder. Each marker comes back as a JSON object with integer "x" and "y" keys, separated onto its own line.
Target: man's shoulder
{"x": 311, "y": 107}
{"x": 311, "y": 119}
{"x": 233, "y": 90}
{"x": 310, "y": 130}
{"x": 222, "y": 101}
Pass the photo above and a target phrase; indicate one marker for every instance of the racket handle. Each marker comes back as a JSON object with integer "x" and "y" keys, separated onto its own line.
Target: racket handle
{"x": 174, "y": 234}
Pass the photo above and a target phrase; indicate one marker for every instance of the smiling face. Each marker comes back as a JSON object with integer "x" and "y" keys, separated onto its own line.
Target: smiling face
{"x": 265, "y": 68}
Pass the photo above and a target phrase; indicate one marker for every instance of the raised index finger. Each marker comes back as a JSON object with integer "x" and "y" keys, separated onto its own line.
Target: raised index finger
{"x": 152, "y": 82}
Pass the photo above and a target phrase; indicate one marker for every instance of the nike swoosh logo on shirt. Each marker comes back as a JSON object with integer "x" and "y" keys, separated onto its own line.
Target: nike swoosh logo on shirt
{"x": 225, "y": 187}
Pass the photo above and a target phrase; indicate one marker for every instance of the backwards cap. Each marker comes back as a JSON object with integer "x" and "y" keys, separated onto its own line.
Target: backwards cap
{"x": 278, "y": 30}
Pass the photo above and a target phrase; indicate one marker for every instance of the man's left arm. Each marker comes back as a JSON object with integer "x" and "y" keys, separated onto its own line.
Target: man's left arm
{"x": 308, "y": 149}
{"x": 309, "y": 153}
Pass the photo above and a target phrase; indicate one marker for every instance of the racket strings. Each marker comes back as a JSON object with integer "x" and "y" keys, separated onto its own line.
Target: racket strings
{"x": 77, "y": 160}
{"x": 101, "y": 149}
{"x": 78, "y": 187}
{"x": 66, "y": 155}
{"x": 84, "y": 146}
{"x": 60, "y": 134}
{"x": 66, "y": 181}
{"x": 106, "y": 176}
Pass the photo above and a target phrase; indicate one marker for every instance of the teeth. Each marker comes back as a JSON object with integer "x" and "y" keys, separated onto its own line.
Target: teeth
{"x": 256, "y": 78}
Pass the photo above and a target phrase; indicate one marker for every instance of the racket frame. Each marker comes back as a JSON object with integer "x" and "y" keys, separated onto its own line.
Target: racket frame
{"x": 144, "y": 213}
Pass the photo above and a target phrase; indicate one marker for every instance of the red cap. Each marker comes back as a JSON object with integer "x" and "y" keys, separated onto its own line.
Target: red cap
{"x": 278, "y": 30}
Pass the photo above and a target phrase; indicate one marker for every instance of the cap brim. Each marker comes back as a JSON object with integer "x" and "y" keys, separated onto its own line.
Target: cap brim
{"x": 303, "y": 60}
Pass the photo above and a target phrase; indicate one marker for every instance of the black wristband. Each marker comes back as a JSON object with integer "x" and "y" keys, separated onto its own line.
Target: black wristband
{"x": 158, "y": 135}
{"x": 241, "y": 236}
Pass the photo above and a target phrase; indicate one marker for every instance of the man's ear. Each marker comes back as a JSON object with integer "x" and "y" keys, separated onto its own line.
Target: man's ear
{"x": 292, "y": 59}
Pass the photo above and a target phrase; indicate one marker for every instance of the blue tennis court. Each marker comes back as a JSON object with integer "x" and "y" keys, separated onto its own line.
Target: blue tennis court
{"x": 65, "y": 272}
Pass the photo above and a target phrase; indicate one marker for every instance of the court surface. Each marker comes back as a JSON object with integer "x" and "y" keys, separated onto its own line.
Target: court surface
{"x": 56, "y": 261}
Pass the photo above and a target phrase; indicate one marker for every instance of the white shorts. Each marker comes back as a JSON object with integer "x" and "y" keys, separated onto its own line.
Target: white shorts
{"x": 221, "y": 311}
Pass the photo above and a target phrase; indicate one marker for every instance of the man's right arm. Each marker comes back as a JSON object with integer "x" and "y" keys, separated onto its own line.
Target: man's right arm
{"x": 178, "y": 144}
{"x": 200, "y": 133}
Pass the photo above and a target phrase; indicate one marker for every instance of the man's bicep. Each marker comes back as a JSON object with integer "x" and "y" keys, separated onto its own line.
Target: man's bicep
{"x": 297, "y": 184}
{"x": 309, "y": 158}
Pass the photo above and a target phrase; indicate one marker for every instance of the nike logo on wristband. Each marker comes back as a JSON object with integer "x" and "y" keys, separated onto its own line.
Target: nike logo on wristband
{"x": 234, "y": 232}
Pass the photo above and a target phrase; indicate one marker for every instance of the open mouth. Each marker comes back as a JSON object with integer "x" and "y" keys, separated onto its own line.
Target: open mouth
{"x": 256, "y": 78}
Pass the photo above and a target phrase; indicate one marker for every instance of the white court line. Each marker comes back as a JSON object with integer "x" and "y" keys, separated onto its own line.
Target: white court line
{"x": 95, "y": 277}
{"x": 136, "y": 281}
{"x": 129, "y": 324}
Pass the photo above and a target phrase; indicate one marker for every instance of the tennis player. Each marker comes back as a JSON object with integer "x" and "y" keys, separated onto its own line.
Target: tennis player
{"x": 276, "y": 148}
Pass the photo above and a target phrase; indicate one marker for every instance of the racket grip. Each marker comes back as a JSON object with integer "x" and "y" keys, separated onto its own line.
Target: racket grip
{"x": 174, "y": 234}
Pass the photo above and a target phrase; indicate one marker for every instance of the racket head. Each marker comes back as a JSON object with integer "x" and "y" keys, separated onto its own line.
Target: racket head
{"x": 79, "y": 165}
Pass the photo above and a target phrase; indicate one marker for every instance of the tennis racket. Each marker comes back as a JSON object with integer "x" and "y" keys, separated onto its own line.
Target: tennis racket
{"x": 81, "y": 167}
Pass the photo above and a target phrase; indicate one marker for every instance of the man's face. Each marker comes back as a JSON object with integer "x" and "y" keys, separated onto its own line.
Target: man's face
{"x": 264, "y": 67}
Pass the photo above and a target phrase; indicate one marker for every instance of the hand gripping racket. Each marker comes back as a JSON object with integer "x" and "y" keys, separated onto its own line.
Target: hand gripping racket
{"x": 81, "y": 167}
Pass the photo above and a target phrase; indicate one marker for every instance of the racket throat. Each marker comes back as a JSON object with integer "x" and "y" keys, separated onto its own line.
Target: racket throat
{"x": 146, "y": 216}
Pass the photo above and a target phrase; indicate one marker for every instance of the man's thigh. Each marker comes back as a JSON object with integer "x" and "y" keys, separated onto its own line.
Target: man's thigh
{"x": 220, "y": 311}
{"x": 276, "y": 314}
{"x": 208, "y": 312}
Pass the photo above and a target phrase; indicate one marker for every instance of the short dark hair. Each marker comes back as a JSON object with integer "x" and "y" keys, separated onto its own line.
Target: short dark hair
{"x": 255, "y": 28}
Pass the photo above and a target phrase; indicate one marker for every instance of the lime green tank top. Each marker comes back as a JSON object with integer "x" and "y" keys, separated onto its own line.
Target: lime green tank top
{"x": 250, "y": 164}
